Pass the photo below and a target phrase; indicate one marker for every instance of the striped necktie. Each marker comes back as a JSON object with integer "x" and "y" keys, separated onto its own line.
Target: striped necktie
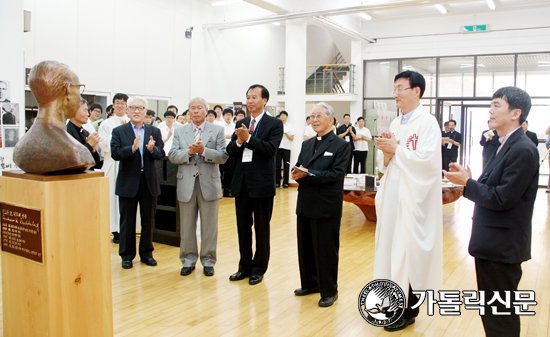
{"x": 197, "y": 138}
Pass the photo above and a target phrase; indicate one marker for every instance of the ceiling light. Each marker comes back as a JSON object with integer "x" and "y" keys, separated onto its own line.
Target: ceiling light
{"x": 491, "y": 4}
{"x": 225, "y": 2}
{"x": 387, "y": 62}
{"x": 276, "y": 23}
{"x": 441, "y": 8}
{"x": 365, "y": 16}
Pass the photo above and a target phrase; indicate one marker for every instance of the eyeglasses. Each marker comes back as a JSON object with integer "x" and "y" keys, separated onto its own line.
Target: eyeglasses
{"x": 81, "y": 87}
{"x": 138, "y": 108}
{"x": 316, "y": 116}
{"x": 400, "y": 90}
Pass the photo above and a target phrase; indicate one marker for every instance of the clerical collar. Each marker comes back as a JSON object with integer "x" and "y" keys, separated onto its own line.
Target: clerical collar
{"x": 320, "y": 138}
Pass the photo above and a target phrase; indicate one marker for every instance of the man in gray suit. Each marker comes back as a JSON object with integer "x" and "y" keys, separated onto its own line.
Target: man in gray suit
{"x": 198, "y": 148}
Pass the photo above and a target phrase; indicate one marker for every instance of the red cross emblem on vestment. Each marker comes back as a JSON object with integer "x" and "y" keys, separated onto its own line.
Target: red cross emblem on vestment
{"x": 411, "y": 142}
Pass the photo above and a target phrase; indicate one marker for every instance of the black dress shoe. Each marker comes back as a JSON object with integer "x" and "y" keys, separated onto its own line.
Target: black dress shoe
{"x": 187, "y": 270}
{"x": 328, "y": 301}
{"x": 305, "y": 291}
{"x": 400, "y": 324}
{"x": 285, "y": 186}
{"x": 255, "y": 279}
{"x": 278, "y": 185}
{"x": 238, "y": 276}
{"x": 126, "y": 264}
{"x": 116, "y": 238}
{"x": 208, "y": 271}
{"x": 149, "y": 261}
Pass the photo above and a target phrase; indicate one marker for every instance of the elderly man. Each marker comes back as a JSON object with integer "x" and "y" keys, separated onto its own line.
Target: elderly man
{"x": 319, "y": 208}
{"x": 409, "y": 231}
{"x": 137, "y": 145}
{"x": 110, "y": 166}
{"x": 504, "y": 197}
{"x": 4, "y": 92}
{"x": 198, "y": 148}
{"x": 8, "y": 117}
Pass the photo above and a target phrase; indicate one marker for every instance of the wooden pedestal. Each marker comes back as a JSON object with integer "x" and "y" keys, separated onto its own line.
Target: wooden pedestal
{"x": 69, "y": 293}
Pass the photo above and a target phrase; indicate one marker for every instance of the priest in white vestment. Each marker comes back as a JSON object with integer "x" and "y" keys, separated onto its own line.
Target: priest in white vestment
{"x": 409, "y": 239}
{"x": 110, "y": 166}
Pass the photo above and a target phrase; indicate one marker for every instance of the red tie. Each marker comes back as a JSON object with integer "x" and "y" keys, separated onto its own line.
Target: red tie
{"x": 252, "y": 125}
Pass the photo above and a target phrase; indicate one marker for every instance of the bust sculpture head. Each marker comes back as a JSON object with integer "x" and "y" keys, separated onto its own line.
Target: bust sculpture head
{"x": 47, "y": 147}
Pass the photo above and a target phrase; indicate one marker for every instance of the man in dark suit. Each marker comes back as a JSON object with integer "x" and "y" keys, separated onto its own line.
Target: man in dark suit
{"x": 347, "y": 132}
{"x": 253, "y": 145}
{"x": 137, "y": 145}
{"x": 504, "y": 196}
{"x": 450, "y": 145}
{"x": 319, "y": 207}
{"x": 530, "y": 134}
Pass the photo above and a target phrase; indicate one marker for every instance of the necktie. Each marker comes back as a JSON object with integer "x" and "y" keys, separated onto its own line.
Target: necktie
{"x": 197, "y": 138}
{"x": 197, "y": 134}
{"x": 252, "y": 125}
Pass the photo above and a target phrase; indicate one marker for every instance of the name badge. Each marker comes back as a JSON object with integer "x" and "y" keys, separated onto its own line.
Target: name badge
{"x": 247, "y": 155}
{"x": 449, "y": 145}
{"x": 347, "y": 139}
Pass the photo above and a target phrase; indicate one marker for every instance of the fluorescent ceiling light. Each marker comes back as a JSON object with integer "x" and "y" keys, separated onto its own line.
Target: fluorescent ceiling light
{"x": 441, "y": 8}
{"x": 544, "y": 64}
{"x": 388, "y": 62}
{"x": 491, "y": 4}
{"x": 277, "y": 23}
{"x": 408, "y": 67}
{"x": 225, "y": 2}
{"x": 365, "y": 16}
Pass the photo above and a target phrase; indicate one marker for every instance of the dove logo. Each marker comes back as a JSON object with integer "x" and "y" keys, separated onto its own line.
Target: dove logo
{"x": 381, "y": 302}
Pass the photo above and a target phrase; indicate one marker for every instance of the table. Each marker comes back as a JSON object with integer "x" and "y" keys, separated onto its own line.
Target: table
{"x": 365, "y": 199}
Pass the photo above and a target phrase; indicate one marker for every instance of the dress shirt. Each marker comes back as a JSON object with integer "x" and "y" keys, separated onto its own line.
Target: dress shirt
{"x": 139, "y": 132}
{"x": 361, "y": 145}
{"x": 285, "y": 142}
{"x": 503, "y": 140}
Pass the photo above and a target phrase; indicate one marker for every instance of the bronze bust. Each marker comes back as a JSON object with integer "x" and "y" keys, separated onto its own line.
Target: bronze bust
{"x": 47, "y": 147}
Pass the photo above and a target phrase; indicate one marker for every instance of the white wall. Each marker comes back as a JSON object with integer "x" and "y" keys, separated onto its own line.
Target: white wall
{"x": 509, "y": 31}
{"x": 12, "y": 65}
{"x": 139, "y": 47}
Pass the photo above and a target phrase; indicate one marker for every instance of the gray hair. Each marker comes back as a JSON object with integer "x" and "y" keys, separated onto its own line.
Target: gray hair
{"x": 330, "y": 110}
{"x": 82, "y": 101}
{"x": 200, "y": 99}
{"x": 132, "y": 99}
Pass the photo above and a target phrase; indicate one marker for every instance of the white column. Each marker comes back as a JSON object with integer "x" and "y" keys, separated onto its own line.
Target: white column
{"x": 12, "y": 66}
{"x": 295, "y": 81}
{"x": 356, "y": 107}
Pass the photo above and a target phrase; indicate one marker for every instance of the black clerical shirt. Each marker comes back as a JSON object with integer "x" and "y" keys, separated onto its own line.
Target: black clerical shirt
{"x": 80, "y": 135}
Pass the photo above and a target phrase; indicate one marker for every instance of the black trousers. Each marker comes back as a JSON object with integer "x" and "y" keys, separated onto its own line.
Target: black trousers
{"x": 128, "y": 211}
{"x": 360, "y": 157}
{"x": 496, "y": 276}
{"x": 318, "y": 246}
{"x": 447, "y": 161}
{"x": 253, "y": 212}
{"x": 284, "y": 156}
{"x": 227, "y": 171}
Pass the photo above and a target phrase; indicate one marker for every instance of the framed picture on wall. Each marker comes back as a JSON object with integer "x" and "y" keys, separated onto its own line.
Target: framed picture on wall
{"x": 10, "y": 136}
{"x": 10, "y": 113}
{"x": 5, "y": 93}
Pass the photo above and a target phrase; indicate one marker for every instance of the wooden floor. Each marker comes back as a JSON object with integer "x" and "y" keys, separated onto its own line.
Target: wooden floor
{"x": 157, "y": 301}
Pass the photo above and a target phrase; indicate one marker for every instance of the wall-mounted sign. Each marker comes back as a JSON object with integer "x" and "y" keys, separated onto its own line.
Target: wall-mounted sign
{"x": 476, "y": 28}
{"x": 22, "y": 231}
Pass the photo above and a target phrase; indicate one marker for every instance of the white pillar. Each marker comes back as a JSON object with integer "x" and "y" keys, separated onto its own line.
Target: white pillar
{"x": 295, "y": 81}
{"x": 356, "y": 107}
{"x": 12, "y": 66}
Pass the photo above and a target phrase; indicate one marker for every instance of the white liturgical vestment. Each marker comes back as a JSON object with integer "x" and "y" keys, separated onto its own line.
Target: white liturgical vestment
{"x": 110, "y": 166}
{"x": 409, "y": 229}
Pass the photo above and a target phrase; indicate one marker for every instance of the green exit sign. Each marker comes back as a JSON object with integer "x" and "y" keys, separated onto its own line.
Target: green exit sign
{"x": 476, "y": 28}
